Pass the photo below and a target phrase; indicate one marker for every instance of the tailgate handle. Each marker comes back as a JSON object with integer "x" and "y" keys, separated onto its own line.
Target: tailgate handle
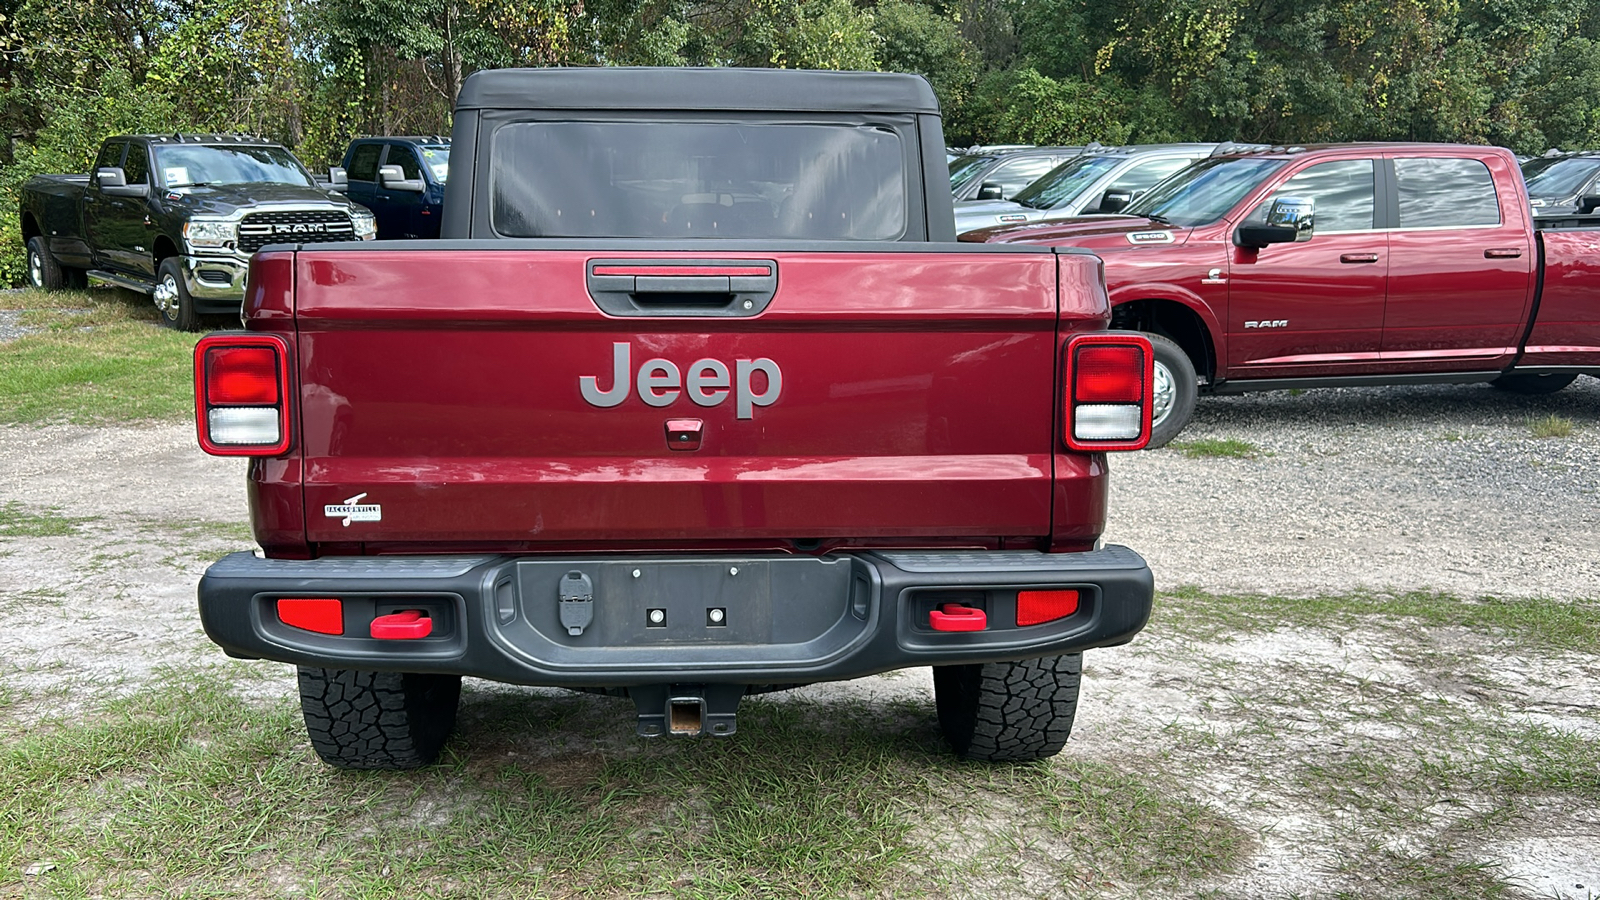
{"x": 690, "y": 287}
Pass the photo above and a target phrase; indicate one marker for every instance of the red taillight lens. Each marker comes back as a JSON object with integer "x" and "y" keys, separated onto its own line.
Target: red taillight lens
{"x": 241, "y": 394}
{"x": 1107, "y": 396}
{"x": 1038, "y": 607}
{"x": 241, "y": 376}
{"x": 1108, "y": 374}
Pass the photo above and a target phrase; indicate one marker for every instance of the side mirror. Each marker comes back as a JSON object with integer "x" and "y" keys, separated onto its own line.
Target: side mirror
{"x": 338, "y": 179}
{"x": 1291, "y": 220}
{"x": 991, "y": 190}
{"x": 114, "y": 183}
{"x": 394, "y": 179}
{"x": 1114, "y": 201}
{"x": 1588, "y": 203}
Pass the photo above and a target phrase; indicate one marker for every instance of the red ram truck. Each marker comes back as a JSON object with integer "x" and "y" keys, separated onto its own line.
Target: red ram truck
{"x": 696, "y": 397}
{"x": 1340, "y": 265}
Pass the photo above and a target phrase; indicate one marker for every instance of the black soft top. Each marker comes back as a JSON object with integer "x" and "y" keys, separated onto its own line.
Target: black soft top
{"x": 770, "y": 90}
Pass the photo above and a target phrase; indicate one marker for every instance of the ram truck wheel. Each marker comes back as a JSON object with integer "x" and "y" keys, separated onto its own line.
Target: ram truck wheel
{"x": 1008, "y": 711}
{"x": 378, "y": 720}
{"x": 1175, "y": 390}
{"x": 1533, "y": 384}
{"x": 172, "y": 297}
{"x": 44, "y": 272}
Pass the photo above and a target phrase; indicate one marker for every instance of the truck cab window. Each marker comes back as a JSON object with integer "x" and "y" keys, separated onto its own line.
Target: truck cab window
{"x": 136, "y": 166}
{"x": 405, "y": 157}
{"x": 364, "y": 163}
{"x": 1144, "y": 176}
{"x": 110, "y": 157}
{"x": 1018, "y": 174}
{"x": 1445, "y": 193}
{"x": 1342, "y": 191}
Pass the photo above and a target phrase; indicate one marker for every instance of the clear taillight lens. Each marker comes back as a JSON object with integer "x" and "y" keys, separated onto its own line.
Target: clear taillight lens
{"x": 1107, "y": 391}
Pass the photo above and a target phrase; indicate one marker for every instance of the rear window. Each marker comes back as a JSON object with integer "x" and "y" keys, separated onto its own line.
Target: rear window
{"x": 698, "y": 180}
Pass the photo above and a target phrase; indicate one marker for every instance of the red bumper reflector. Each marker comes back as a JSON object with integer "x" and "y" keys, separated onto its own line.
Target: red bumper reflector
{"x": 405, "y": 625}
{"x": 324, "y": 615}
{"x": 1035, "y": 607}
{"x": 955, "y": 617}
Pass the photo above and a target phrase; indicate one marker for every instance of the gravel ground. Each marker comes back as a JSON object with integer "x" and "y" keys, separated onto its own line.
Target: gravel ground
{"x": 1421, "y": 488}
{"x": 11, "y": 326}
{"x": 1412, "y": 488}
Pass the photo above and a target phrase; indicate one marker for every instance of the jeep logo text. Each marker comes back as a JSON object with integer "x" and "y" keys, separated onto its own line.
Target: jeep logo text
{"x": 706, "y": 381}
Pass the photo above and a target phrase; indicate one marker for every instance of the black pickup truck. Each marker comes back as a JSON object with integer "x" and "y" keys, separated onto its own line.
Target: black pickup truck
{"x": 177, "y": 217}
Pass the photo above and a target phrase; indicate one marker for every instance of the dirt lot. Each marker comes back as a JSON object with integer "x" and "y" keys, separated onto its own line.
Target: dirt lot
{"x": 1372, "y": 672}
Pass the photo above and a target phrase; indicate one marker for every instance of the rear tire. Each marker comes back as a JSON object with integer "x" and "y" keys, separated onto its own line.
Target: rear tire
{"x": 44, "y": 272}
{"x": 1533, "y": 384}
{"x": 1176, "y": 388}
{"x": 378, "y": 720}
{"x": 172, "y": 297}
{"x": 1008, "y": 711}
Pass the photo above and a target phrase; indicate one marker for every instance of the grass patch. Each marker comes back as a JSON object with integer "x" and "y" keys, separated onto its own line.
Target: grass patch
{"x": 17, "y": 521}
{"x": 1551, "y": 426}
{"x": 185, "y": 788}
{"x": 1216, "y": 447}
{"x": 1132, "y": 827}
{"x": 100, "y": 358}
{"x": 1556, "y": 624}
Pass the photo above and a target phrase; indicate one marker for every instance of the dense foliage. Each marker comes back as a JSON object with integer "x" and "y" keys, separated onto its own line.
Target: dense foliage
{"x": 314, "y": 73}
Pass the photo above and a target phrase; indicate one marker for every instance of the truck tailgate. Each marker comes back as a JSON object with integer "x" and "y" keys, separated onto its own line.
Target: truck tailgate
{"x": 878, "y": 394}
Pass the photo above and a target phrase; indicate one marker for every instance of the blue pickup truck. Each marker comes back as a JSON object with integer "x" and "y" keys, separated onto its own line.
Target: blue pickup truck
{"x": 401, "y": 179}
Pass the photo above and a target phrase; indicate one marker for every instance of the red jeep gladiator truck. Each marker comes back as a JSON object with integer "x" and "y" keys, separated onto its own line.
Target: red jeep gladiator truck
{"x": 1339, "y": 265}
{"x": 697, "y": 397}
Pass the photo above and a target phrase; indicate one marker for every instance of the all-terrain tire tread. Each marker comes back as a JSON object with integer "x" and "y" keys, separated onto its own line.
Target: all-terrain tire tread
{"x": 1009, "y": 711}
{"x": 377, "y": 720}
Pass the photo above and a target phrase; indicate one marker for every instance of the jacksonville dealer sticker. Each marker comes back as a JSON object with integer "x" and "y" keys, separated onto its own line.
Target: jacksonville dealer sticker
{"x": 353, "y": 510}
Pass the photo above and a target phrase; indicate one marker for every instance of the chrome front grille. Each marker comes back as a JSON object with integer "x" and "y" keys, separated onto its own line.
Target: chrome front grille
{"x": 257, "y": 230}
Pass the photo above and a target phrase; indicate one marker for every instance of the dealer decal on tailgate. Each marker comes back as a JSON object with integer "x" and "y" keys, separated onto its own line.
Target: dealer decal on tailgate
{"x": 353, "y": 510}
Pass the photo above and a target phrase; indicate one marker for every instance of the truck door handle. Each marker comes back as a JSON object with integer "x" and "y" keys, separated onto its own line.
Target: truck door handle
{"x": 682, "y": 287}
{"x": 1503, "y": 253}
{"x": 1358, "y": 257}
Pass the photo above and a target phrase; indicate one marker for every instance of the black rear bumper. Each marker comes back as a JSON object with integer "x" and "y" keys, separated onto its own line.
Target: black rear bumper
{"x": 728, "y": 618}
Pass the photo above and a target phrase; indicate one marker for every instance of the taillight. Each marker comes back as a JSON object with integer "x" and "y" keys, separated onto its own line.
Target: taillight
{"x": 241, "y": 392}
{"x": 1107, "y": 395}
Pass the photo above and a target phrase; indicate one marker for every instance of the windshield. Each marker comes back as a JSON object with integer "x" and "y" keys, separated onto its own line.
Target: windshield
{"x": 437, "y": 158}
{"x": 187, "y": 165}
{"x": 1559, "y": 177}
{"x": 1202, "y": 193}
{"x": 964, "y": 169}
{"x": 1065, "y": 182}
